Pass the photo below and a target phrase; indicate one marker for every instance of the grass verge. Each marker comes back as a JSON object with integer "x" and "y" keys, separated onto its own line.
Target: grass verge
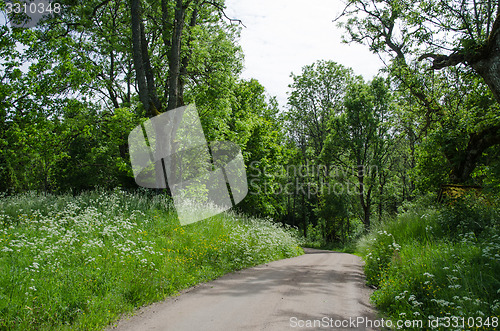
{"x": 81, "y": 262}
{"x": 440, "y": 266}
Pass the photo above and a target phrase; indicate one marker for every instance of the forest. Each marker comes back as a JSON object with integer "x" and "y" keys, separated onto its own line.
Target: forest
{"x": 345, "y": 159}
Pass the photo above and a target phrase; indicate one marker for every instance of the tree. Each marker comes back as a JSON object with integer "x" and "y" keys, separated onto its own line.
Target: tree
{"x": 316, "y": 95}
{"x": 82, "y": 81}
{"x": 254, "y": 125}
{"x": 409, "y": 32}
{"x": 468, "y": 30}
{"x": 11, "y": 95}
{"x": 187, "y": 14}
{"x": 360, "y": 139}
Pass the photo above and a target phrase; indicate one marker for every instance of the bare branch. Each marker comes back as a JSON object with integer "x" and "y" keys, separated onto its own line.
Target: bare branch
{"x": 442, "y": 61}
{"x": 344, "y": 13}
{"x": 221, "y": 11}
{"x": 96, "y": 8}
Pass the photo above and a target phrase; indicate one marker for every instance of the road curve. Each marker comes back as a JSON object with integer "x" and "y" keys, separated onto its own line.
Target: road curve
{"x": 322, "y": 289}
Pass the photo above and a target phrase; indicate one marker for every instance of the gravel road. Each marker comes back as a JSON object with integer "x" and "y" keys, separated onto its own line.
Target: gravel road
{"x": 321, "y": 290}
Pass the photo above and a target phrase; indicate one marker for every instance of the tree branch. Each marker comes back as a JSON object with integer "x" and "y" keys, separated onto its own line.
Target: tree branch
{"x": 441, "y": 61}
{"x": 96, "y": 8}
{"x": 221, "y": 11}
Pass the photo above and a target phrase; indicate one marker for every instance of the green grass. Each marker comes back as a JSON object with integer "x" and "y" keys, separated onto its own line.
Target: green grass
{"x": 437, "y": 263}
{"x": 81, "y": 262}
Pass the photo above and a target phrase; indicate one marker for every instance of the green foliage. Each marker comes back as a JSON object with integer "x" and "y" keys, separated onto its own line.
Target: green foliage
{"x": 341, "y": 132}
{"x": 443, "y": 280}
{"x": 336, "y": 224}
{"x": 317, "y": 94}
{"x": 469, "y": 110}
{"x": 378, "y": 249}
{"x": 360, "y": 138}
{"x": 469, "y": 215}
{"x": 80, "y": 150}
{"x": 406, "y": 28}
{"x": 316, "y": 97}
{"x": 81, "y": 261}
{"x": 453, "y": 112}
{"x": 252, "y": 122}
{"x": 428, "y": 263}
{"x": 97, "y": 154}
{"x": 431, "y": 169}
{"x": 65, "y": 116}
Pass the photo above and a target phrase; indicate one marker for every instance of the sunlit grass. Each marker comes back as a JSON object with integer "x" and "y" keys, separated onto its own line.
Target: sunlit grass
{"x": 80, "y": 262}
{"x": 426, "y": 269}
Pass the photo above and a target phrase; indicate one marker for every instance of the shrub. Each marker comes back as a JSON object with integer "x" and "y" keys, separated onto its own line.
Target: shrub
{"x": 379, "y": 249}
{"x": 469, "y": 214}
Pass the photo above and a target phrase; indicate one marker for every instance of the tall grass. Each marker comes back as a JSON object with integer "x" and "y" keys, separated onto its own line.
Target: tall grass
{"x": 439, "y": 265}
{"x": 80, "y": 262}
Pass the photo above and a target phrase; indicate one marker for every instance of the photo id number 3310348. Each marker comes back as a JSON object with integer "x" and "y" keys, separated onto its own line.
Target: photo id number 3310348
{"x": 40, "y": 7}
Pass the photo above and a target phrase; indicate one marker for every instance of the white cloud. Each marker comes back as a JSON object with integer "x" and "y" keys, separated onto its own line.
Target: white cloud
{"x": 282, "y": 36}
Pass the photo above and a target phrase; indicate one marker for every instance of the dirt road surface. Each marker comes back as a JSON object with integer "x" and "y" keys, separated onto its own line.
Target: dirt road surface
{"x": 283, "y": 295}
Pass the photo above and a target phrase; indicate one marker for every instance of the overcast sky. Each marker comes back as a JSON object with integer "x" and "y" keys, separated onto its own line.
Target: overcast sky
{"x": 282, "y": 36}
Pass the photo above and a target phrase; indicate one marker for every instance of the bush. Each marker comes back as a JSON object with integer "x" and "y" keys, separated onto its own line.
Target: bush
{"x": 469, "y": 214}
{"x": 382, "y": 249}
{"x": 383, "y": 243}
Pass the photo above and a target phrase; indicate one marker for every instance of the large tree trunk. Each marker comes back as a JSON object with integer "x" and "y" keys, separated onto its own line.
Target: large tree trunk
{"x": 146, "y": 84}
{"x": 187, "y": 57}
{"x": 488, "y": 65}
{"x": 174, "y": 86}
{"x": 140, "y": 73}
{"x": 143, "y": 71}
{"x": 478, "y": 143}
{"x": 155, "y": 105}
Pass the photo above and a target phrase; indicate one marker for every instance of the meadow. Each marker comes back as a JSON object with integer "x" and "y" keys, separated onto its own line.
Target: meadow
{"x": 440, "y": 265}
{"x": 80, "y": 262}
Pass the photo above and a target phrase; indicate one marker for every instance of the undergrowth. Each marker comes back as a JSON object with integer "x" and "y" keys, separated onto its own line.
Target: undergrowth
{"x": 81, "y": 262}
{"x": 440, "y": 265}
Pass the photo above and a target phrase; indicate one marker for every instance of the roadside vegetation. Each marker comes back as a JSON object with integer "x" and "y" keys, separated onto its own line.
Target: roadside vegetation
{"x": 80, "y": 262}
{"x": 438, "y": 262}
{"x": 345, "y": 155}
